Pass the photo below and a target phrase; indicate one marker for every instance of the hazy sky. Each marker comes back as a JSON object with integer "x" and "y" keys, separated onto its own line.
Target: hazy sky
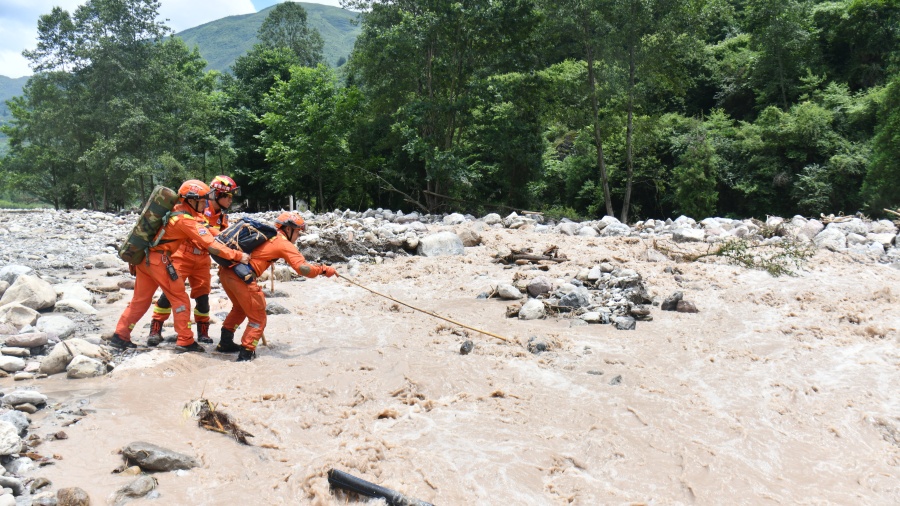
{"x": 19, "y": 18}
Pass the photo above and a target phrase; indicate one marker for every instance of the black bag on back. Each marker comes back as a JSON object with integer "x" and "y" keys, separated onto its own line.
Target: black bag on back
{"x": 245, "y": 235}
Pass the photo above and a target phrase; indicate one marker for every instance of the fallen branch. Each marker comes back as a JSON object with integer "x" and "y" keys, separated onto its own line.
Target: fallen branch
{"x": 217, "y": 421}
{"x": 775, "y": 258}
{"x": 521, "y": 257}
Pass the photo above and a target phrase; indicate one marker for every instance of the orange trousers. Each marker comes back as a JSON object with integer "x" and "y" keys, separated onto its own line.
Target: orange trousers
{"x": 149, "y": 278}
{"x": 247, "y": 301}
{"x": 195, "y": 269}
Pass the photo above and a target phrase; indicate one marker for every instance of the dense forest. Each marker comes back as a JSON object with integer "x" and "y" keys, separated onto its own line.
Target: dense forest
{"x": 577, "y": 108}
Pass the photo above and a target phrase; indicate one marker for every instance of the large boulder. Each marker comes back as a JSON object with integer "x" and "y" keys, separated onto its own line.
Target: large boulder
{"x": 23, "y": 396}
{"x": 18, "y": 315}
{"x": 30, "y": 291}
{"x": 29, "y": 340}
{"x": 441, "y": 244}
{"x": 64, "y": 352}
{"x": 532, "y": 310}
{"x": 73, "y": 291}
{"x": 56, "y": 324}
{"x": 74, "y": 306}
{"x": 831, "y": 238}
{"x": 85, "y": 367}
{"x": 10, "y": 442}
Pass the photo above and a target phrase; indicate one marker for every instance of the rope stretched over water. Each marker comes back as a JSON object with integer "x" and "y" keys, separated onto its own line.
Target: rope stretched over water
{"x": 429, "y": 313}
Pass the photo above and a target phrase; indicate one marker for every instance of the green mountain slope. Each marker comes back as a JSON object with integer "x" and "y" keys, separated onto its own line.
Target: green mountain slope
{"x": 220, "y": 42}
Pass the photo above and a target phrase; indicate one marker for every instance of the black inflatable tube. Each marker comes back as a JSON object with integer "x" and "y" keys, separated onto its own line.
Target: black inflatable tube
{"x": 349, "y": 482}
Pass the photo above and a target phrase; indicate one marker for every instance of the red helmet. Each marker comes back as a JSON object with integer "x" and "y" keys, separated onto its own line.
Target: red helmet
{"x": 288, "y": 219}
{"x": 194, "y": 189}
{"x": 224, "y": 184}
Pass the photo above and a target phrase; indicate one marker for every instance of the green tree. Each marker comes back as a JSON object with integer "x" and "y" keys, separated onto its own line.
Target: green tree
{"x": 286, "y": 26}
{"x": 306, "y": 124}
{"x": 880, "y": 187}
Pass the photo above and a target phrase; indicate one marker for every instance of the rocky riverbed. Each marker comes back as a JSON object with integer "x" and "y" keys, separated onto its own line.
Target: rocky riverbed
{"x": 613, "y": 370}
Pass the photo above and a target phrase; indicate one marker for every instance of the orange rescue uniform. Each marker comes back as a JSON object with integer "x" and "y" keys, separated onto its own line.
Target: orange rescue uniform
{"x": 248, "y": 300}
{"x": 152, "y": 274}
{"x": 192, "y": 261}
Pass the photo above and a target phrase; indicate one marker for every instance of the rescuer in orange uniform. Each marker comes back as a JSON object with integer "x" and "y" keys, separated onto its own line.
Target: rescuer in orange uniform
{"x": 192, "y": 262}
{"x": 248, "y": 300}
{"x": 157, "y": 271}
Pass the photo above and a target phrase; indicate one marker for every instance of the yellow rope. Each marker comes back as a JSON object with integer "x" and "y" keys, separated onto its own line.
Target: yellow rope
{"x": 426, "y": 312}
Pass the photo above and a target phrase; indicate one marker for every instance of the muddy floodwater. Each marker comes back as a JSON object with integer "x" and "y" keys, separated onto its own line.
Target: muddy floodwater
{"x": 779, "y": 391}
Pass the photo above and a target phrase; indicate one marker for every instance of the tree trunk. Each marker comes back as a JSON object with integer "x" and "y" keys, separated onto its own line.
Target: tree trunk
{"x": 598, "y": 139}
{"x": 629, "y": 137}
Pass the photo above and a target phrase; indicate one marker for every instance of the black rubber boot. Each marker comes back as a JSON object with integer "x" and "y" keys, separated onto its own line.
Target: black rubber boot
{"x": 245, "y": 355}
{"x": 195, "y": 346}
{"x": 121, "y": 344}
{"x": 226, "y": 343}
{"x": 203, "y": 333}
{"x": 155, "y": 336}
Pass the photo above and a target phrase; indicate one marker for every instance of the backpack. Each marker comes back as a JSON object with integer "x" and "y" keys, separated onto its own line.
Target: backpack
{"x": 146, "y": 232}
{"x": 245, "y": 235}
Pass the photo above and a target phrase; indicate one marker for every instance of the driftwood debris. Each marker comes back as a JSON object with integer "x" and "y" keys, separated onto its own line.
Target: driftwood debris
{"x": 217, "y": 421}
{"x": 526, "y": 256}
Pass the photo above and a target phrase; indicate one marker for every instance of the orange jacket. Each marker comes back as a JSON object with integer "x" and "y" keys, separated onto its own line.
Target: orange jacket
{"x": 191, "y": 227}
{"x": 279, "y": 247}
{"x": 215, "y": 222}
{"x": 216, "y": 219}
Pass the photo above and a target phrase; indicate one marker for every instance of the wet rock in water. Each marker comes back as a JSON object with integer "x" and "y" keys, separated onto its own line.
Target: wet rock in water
{"x": 276, "y": 308}
{"x": 466, "y": 347}
{"x": 114, "y": 297}
{"x": 539, "y": 286}
{"x": 624, "y": 323}
{"x": 19, "y": 466}
{"x": 72, "y": 496}
{"x": 595, "y": 372}
{"x": 56, "y": 324}
{"x": 578, "y": 323}
{"x": 671, "y": 302}
{"x": 64, "y": 352}
{"x": 77, "y": 291}
{"x": 441, "y": 244}
{"x": 18, "y": 315}
{"x": 18, "y": 419}
{"x": 616, "y": 381}
{"x": 23, "y": 376}
{"x": 10, "y": 442}
{"x": 30, "y": 291}
{"x": 152, "y": 458}
{"x": 85, "y": 367}
{"x": 27, "y": 407}
{"x": 483, "y": 295}
{"x": 686, "y": 307}
{"x": 140, "y": 487}
{"x": 533, "y": 309}
{"x": 31, "y": 340}
{"x": 23, "y": 396}
{"x": 537, "y": 345}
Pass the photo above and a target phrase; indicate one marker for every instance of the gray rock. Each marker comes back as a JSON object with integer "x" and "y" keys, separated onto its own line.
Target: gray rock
{"x": 44, "y": 499}
{"x": 8, "y": 500}
{"x": 73, "y": 291}
{"x": 884, "y": 227}
{"x": 466, "y": 347}
{"x": 440, "y": 244}
{"x": 152, "y": 458}
{"x": 10, "y": 442}
{"x": 276, "y": 308}
{"x": 671, "y": 302}
{"x": 3, "y": 286}
{"x": 11, "y": 364}
{"x": 616, "y": 230}
{"x": 64, "y": 352}
{"x": 587, "y": 231}
{"x": 454, "y": 219}
{"x": 74, "y": 306}
{"x": 569, "y": 228}
{"x": 22, "y": 396}
{"x": 9, "y": 273}
{"x": 688, "y": 235}
{"x": 492, "y": 219}
{"x": 18, "y": 315}
{"x": 539, "y": 286}
{"x": 832, "y": 239}
{"x": 533, "y": 309}
{"x": 851, "y": 226}
{"x": 811, "y": 229}
{"x": 537, "y": 345}
{"x": 886, "y": 240}
{"x": 85, "y": 367}
{"x": 18, "y": 419}
{"x": 19, "y": 466}
{"x": 508, "y": 292}
{"x": 56, "y": 324}
{"x": 616, "y": 380}
{"x": 595, "y": 317}
{"x": 72, "y": 496}
{"x": 30, "y": 340}
{"x": 30, "y": 291}
{"x": 624, "y": 323}
{"x": 575, "y": 299}
{"x": 140, "y": 487}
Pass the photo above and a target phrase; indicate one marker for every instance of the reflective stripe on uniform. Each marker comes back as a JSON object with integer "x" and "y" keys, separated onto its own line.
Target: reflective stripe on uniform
{"x": 131, "y": 326}
{"x": 180, "y": 309}
{"x": 198, "y": 313}
{"x": 253, "y": 325}
{"x": 162, "y": 310}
